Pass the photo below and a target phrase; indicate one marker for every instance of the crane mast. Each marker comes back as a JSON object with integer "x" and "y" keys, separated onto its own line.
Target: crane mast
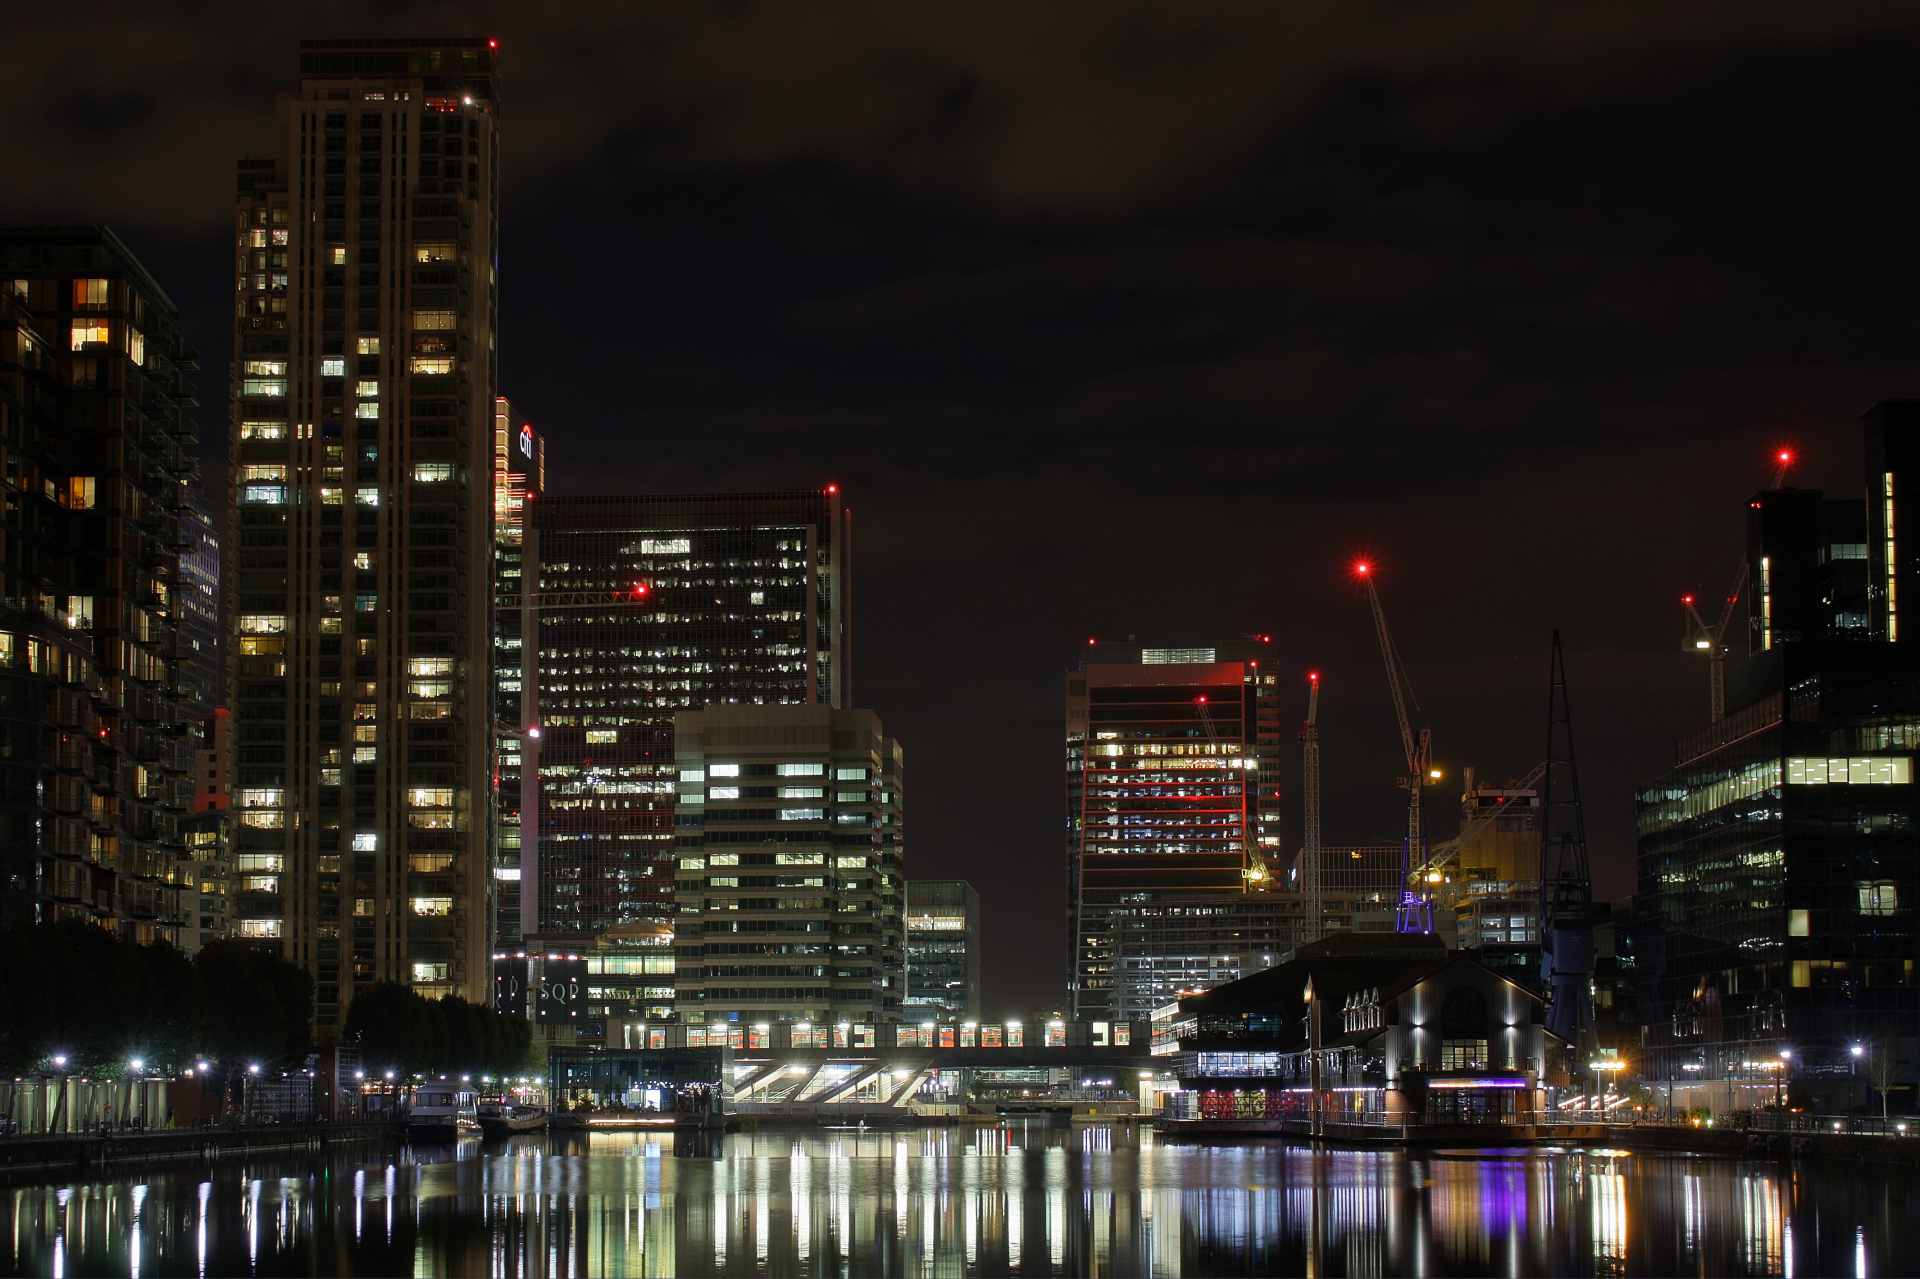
{"x": 1314, "y": 921}
{"x": 1566, "y": 888}
{"x": 1713, "y": 639}
{"x": 1414, "y": 915}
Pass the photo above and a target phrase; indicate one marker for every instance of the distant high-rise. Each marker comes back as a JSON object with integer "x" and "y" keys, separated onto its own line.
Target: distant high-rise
{"x": 93, "y": 393}
{"x": 361, "y": 523}
{"x": 943, "y": 950}
{"x": 1172, "y": 784}
{"x": 646, "y": 606}
{"x": 202, "y": 670}
{"x": 519, "y": 478}
{"x": 791, "y": 865}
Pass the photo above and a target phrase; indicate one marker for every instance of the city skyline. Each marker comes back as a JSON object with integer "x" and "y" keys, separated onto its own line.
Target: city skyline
{"x": 1025, "y": 424}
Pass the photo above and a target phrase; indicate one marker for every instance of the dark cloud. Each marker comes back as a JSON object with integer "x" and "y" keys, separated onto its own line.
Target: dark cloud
{"x": 1143, "y": 319}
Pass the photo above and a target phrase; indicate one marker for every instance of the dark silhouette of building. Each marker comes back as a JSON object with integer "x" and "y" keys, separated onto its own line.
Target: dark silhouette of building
{"x": 93, "y": 399}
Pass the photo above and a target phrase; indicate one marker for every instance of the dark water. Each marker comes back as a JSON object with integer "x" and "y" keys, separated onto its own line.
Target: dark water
{"x": 1026, "y": 1200}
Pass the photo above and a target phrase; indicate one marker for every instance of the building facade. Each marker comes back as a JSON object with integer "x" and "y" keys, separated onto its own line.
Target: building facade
{"x": 943, "y": 950}
{"x": 519, "y": 479}
{"x": 1170, "y": 944}
{"x": 646, "y": 607}
{"x": 1172, "y": 783}
{"x": 791, "y": 866}
{"x": 93, "y": 398}
{"x": 360, "y": 523}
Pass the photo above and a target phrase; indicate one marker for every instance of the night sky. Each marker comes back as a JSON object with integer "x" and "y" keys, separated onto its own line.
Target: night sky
{"x": 1137, "y": 319}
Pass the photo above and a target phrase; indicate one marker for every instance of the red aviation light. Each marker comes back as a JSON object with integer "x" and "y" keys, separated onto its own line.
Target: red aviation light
{"x": 493, "y": 44}
{"x": 833, "y": 488}
{"x": 1686, "y": 599}
{"x": 1314, "y": 676}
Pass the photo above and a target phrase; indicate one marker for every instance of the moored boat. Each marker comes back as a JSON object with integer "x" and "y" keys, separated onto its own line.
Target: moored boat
{"x": 501, "y": 1116}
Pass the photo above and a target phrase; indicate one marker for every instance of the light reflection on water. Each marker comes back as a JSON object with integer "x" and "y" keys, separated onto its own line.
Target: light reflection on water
{"x": 1026, "y": 1199}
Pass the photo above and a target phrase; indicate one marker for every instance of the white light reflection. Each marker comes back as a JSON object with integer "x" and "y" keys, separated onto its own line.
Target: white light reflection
{"x": 139, "y": 1196}
{"x": 252, "y": 1211}
{"x": 200, "y": 1228}
{"x": 1859, "y": 1252}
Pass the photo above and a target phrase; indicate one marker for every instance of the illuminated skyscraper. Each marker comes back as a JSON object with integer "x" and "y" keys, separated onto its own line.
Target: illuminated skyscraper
{"x": 519, "y": 476}
{"x": 1172, "y": 784}
{"x": 943, "y": 950}
{"x": 362, "y": 519}
{"x": 647, "y": 606}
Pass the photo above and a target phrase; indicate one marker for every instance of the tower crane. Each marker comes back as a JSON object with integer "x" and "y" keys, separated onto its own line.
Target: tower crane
{"x": 1712, "y": 639}
{"x": 1314, "y": 912}
{"x": 1443, "y": 853}
{"x": 1414, "y": 914}
{"x": 1566, "y": 888}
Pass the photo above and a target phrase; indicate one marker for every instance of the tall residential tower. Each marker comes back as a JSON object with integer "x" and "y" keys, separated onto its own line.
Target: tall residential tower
{"x": 361, "y": 519}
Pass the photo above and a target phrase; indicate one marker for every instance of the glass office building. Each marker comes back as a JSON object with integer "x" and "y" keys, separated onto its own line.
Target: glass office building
{"x": 1172, "y": 783}
{"x": 646, "y": 607}
{"x": 943, "y": 950}
{"x": 790, "y": 843}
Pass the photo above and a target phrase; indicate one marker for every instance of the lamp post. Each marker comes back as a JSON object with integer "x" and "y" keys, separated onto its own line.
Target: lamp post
{"x": 1313, "y": 1059}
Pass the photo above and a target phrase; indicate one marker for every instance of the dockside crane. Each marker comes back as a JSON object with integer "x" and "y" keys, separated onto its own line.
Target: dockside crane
{"x": 1712, "y": 640}
{"x": 1414, "y": 914}
{"x": 1314, "y": 912}
{"x": 1566, "y": 888}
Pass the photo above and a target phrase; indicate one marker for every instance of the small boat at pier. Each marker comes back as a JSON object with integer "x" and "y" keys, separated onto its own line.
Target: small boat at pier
{"x": 502, "y": 1116}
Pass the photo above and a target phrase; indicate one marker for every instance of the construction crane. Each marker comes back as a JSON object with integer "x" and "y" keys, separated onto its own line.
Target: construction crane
{"x": 1566, "y": 888}
{"x": 1712, "y": 639}
{"x": 1258, "y": 872}
{"x": 1442, "y": 854}
{"x": 1414, "y": 914}
{"x": 1314, "y": 922}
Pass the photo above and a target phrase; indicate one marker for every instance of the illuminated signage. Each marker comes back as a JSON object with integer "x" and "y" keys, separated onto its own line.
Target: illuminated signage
{"x": 1503, "y": 1081}
{"x": 526, "y": 441}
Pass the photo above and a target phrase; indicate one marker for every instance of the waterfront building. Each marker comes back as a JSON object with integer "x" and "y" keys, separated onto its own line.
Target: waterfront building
{"x": 791, "y": 874}
{"x": 519, "y": 479}
{"x": 1359, "y": 1028}
{"x": 361, "y": 525}
{"x": 93, "y": 398}
{"x": 1773, "y": 937}
{"x": 645, "y": 607}
{"x": 1172, "y": 783}
{"x": 943, "y": 950}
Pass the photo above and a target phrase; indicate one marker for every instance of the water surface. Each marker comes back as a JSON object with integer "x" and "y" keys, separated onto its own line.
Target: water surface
{"x": 1029, "y": 1199}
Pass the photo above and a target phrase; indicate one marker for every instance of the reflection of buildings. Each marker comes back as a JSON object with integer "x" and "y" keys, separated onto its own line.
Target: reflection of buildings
{"x": 791, "y": 878}
{"x": 1172, "y": 784}
{"x": 364, "y": 335}
{"x": 943, "y": 950}
{"x": 93, "y": 393}
{"x": 1401, "y": 1028}
{"x": 1778, "y": 868}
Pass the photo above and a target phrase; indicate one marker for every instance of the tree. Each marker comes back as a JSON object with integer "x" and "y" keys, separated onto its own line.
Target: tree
{"x": 259, "y": 1006}
{"x": 1882, "y": 1060}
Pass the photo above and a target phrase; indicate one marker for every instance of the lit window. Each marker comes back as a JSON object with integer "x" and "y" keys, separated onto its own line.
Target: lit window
{"x": 429, "y": 710}
{"x": 271, "y": 388}
{"x": 802, "y": 770}
{"x": 365, "y": 841}
{"x": 263, "y": 495}
{"x": 802, "y": 814}
{"x": 259, "y": 883}
{"x": 433, "y": 905}
{"x": 725, "y": 859}
{"x": 430, "y": 321}
{"x": 333, "y": 497}
{"x": 430, "y": 797}
{"x": 363, "y": 906}
{"x": 432, "y": 472}
{"x": 333, "y": 368}
{"x": 437, "y": 252}
{"x": 430, "y": 820}
{"x": 724, "y": 770}
{"x": 337, "y": 255}
{"x": 88, "y": 293}
{"x": 365, "y": 754}
{"x": 801, "y": 792}
{"x": 365, "y": 603}
{"x": 363, "y": 560}
{"x": 263, "y": 471}
{"x": 264, "y": 798}
{"x": 265, "y": 818}
{"x": 367, "y": 409}
{"x": 136, "y": 346}
{"x": 597, "y": 736}
{"x": 366, "y": 497}
{"x": 845, "y": 862}
{"x": 367, "y": 389}
{"x": 724, "y": 792}
{"x": 259, "y": 928}
{"x": 422, "y": 364}
{"x": 850, "y": 774}
{"x": 263, "y": 623}
{"x": 1856, "y": 770}
{"x": 88, "y": 332}
{"x": 431, "y": 972}
{"x": 430, "y": 688}
{"x": 263, "y": 430}
{"x": 264, "y": 368}
{"x": 368, "y": 346}
{"x": 1879, "y": 897}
